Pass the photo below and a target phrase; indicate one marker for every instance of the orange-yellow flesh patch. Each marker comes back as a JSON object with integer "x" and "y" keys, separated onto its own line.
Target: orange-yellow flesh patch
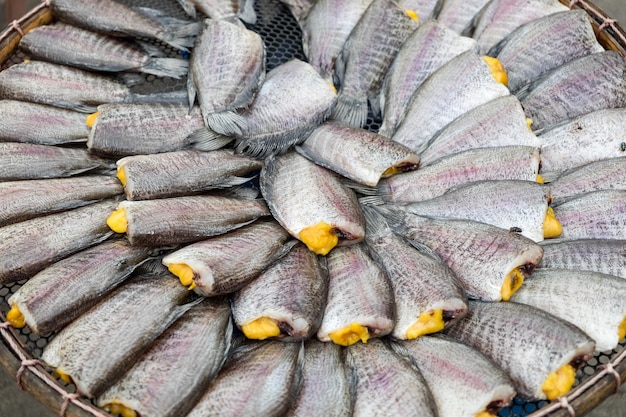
{"x": 121, "y": 175}
{"x": 319, "y": 238}
{"x": 540, "y": 179}
{"x": 332, "y": 87}
{"x": 117, "y": 408}
{"x": 412, "y": 14}
{"x": 529, "y": 123}
{"x": 63, "y": 376}
{"x": 184, "y": 273}
{"x": 497, "y": 70}
{"x": 15, "y": 317}
{"x": 91, "y": 119}
{"x": 261, "y": 329}
{"x": 428, "y": 322}
{"x": 512, "y": 283}
{"x": 621, "y": 330}
{"x": 484, "y": 414}
{"x": 350, "y": 334}
{"x": 390, "y": 172}
{"x": 117, "y": 221}
{"x": 559, "y": 383}
{"x": 551, "y": 226}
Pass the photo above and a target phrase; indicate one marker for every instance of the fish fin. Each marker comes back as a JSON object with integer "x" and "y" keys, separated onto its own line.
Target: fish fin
{"x": 350, "y": 111}
{"x": 376, "y": 224}
{"x": 206, "y": 140}
{"x": 424, "y": 249}
{"x": 82, "y": 108}
{"x": 131, "y": 79}
{"x": 225, "y": 123}
{"x": 234, "y": 181}
{"x": 262, "y": 148}
{"x": 246, "y": 11}
{"x": 524, "y": 91}
{"x": 371, "y": 200}
{"x": 392, "y": 214}
{"x": 177, "y": 33}
{"x": 359, "y": 188}
{"x": 191, "y": 90}
{"x": 166, "y": 67}
{"x": 385, "y": 131}
{"x": 176, "y": 97}
{"x": 188, "y": 7}
{"x": 151, "y": 49}
{"x": 375, "y": 105}
{"x": 245, "y": 193}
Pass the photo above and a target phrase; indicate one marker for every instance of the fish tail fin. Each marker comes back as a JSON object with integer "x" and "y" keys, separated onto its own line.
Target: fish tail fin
{"x": 359, "y": 188}
{"x": 188, "y": 7}
{"x": 225, "y": 123}
{"x": 166, "y": 67}
{"x": 385, "y": 130}
{"x": 375, "y": 222}
{"x": 350, "y": 111}
{"x": 177, "y": 33}
{"x": 371, "y": 200}
{"x": 206, "y": 140}
{"x": 246, "y": 11}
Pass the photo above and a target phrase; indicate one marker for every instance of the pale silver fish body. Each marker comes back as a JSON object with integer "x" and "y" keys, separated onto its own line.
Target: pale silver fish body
{"x": 26, "y": 161}
{"x": 463, "y": 381}
{"x": 430, "y": 181}
{"x": 502, "y": 203}
{"x": 327, "y": 386}
{"x": 527, "y": 343}
{"x": 583, "y": 85}
{"x": 270, "y": 375}
{"x": 429, "y": 47}
{"x": 479, "y": 254}
{"x": 179, "y": 365}
{"x": 358, "y": 154}
{"x": 607, "y": 256}
{"x": 457, "y": 15}
{"x": 594, "y": 215}
{"x": 28, "y": 251}
{"x": 358, "y": 292}
{"x": 146, "y": 128}
{"x": 221, "y": 9}
{"x": 499, "y": 122}
{"x": 70, "y": 45}
{"x": 60, "y": 293}
{"x": 316, "y": 196}
{"x": 605, "y": 174}
{"x": 226, "y": 263}
{"x": 421, "y": 283}
{"x": 387, "y": 385}
{"x": 66, "y": 87}
{"x": 23, "y": 200}
{"x": 462, "y": 84}
{"x": 594, "y": 302}
{"x": 98, "y": 347}
{"x": 325, "y": 30}
{"x": 360, "y": 68}
{"x": 40, "y": 124}
{"x": 292, "y": 293}
{"x": 587, "y": 138}
{"x": 227, "y": 68}
{"x": 186, "y": 172}
{"x": 292, "y": 101}
{"x": 501, "y": 17}
{"x": 526, "y": 53}
{"x": 179, "y": 220}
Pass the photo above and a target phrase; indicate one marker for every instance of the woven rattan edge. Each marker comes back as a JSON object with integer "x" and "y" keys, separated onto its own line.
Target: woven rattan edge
{"x": 10, "y": 38}
{"x": 608, "y": 32}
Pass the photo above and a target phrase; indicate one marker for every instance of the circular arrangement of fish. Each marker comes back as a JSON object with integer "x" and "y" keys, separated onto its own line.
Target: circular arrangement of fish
{"x": 370, "y": 212}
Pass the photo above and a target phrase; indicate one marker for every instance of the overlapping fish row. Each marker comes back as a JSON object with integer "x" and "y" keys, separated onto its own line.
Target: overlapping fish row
{"x": 425, "y": 269}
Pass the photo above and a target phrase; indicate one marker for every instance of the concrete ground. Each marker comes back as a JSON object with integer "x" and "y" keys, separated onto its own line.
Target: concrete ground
{"x": 15, "y": 403}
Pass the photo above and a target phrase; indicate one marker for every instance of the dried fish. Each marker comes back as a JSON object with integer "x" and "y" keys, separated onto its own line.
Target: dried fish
{"x": 457, "y": 15}
{"x": 221, "y": 9}
{"x": 607, "y": 256}
{"x": 605, "y": 174}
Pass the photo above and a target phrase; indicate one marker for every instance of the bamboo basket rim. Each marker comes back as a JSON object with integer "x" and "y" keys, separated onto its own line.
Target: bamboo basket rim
{"x": 34, "y": 377}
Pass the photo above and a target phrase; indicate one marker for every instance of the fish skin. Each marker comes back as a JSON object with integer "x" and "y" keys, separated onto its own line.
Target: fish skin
{"x": 358, "y": 154}
{"x": 40, "y": 124}
{"x": 421, "y": 281}
{"x": 527, "y": 343}
{"x": 179, "y": 220}
{"x": 292, "y": 292}
{"x": 292, "y": 101}
{"x": 429, "y": 47}
{"x": 229, "y": 10}
{"x": 297, "y": 205}
{"x": 583, "y": 85}
{"x": 584, "y": 139}
{"x": 327, "y": 387}
{"x": 26, "y": 251}
{"x": 526, "y": 55}
{"x": 270, "y": 373}
{"x": 132, "y": 316}
{"x": 225, "y": 264}
{"x": 60, "y": 293}
{"x": 594, "y": 302}
{"x": 607, "y": 256}
{"x": 325, "y": 30}
{"x": 499, "y": 122}
{"x": 144, "y": 128}
{"x": 426, "y": 9}
{"x": 116, "y": 19}
{"x": 299, "y": 8}
{"x": 501, "y": 17}
{"x": 361, "y": 68}
{"x": 358, "y": 292}
{"x": 25, "y": 161}
{"x": 479, "y": 254}
{"x": 502, "y": 203}
{"x": 186, "y": 172}
{"x": 465, "y": 80}
{"x": 386, "y": 384}
{"x": 463, "y": 381}
{"x": 457, "y": 15}
{"x": 604, "y": 174}
{"x": 225, "y": 72}
{"x": 430, "y": 181}
{"x": 594, "y": 215}
{"x": 179, "y": 365}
